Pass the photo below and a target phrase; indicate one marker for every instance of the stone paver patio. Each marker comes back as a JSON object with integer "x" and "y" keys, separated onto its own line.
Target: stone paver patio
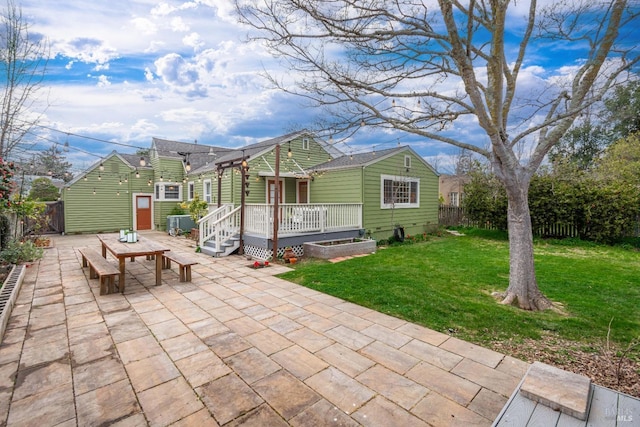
{"x": 236, "y": 346}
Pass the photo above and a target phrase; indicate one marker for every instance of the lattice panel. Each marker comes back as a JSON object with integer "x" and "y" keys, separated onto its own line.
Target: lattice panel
{"x": 297, "y": 249}
{"x": 266, "y": 254}
{"x": 258, "y": 253}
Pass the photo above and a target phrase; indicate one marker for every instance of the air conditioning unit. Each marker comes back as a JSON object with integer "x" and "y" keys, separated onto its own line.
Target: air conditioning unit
{"x": 182, "y": 222}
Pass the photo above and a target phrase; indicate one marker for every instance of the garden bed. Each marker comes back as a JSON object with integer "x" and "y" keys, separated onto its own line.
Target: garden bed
{"x": 329, "y": 249}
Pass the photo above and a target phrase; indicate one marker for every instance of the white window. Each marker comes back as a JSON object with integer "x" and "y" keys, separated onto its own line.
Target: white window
{"x": 168, "y": 191}
{"x": 407, "y": 162}
{"x": 399, "y": 192}
{"x": 191, "y": 190}
{"x": 206, "y": 190}
{"x": 305, "y": 143}
{"x": 453, "y": 199}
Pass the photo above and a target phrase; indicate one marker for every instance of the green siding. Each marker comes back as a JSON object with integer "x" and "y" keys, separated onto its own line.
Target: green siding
{"x": 341, "y": 186}
{"x": 106, "y": 210}
{"x": 381, "y": 222}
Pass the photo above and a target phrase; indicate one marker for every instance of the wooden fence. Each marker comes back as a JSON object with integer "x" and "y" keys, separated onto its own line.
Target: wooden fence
{"x": 454, "y": 216}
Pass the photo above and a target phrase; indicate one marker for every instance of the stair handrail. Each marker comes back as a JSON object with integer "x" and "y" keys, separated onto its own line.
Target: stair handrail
{"x": 226, "y": 227}
{"x": 206, "y": 224}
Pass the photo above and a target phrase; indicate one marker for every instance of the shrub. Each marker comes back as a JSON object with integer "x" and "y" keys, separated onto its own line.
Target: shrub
{"x": 17, "y": 252}
{"x": 5, "y": 231}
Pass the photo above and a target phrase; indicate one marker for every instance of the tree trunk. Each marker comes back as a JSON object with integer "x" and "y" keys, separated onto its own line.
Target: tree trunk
{"x": 523, "y": 288}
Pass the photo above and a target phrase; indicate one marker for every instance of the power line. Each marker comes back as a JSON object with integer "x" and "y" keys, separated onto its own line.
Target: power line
{"x": 90, "y": 137}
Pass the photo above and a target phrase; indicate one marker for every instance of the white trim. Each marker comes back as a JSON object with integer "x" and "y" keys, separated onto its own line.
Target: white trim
{"x": 403, "y": 179}
{"x": 191, "y": 190}
{"x": 207, "y": 197}
{"x": 159, "y": 193}
{"x": 266, "y": 193}
{"x": 305, "y": 143}
{"x": 407, "y": 161}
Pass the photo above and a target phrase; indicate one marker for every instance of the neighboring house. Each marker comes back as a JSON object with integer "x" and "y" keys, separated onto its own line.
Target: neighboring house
{"x": 323, "y": 194}
{"x": 451, "y": 188}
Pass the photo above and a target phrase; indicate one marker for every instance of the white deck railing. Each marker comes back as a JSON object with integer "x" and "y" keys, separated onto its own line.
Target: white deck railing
{"x": 302, "y": 218}
{"x": 218, "y": 224}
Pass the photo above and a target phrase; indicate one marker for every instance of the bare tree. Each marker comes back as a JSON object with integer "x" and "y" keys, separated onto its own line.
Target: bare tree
{"x": 23, "y": 63}
{"x": 427, "y": 67}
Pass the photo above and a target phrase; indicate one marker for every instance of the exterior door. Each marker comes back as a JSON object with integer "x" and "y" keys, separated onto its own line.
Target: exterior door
{"x": 272, "y": 191}
{"x": 303, "y": 191}
{"x": 143, "y": 212}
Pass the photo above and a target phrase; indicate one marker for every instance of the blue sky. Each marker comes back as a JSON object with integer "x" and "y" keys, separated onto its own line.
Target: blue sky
{"x": 129, "y": 70}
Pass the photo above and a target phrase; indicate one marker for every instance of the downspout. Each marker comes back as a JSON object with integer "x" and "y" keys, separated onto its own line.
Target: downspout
{"x": 219, "y": 179}
{"x": 362, "y": 198}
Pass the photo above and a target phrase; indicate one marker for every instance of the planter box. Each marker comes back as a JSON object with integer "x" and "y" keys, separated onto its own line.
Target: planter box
{"x": 338, "y": 248}
{"x": 8, "y": 295}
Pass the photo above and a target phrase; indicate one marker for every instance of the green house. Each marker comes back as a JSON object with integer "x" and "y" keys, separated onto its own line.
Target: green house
{"x": 322, "y": 193}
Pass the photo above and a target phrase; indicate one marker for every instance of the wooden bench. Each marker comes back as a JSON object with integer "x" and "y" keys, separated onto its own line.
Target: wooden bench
{"x": 184, "y": 262}
{"x": 101, "y": 268}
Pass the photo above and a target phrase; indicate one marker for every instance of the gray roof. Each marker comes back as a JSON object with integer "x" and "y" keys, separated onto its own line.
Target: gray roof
{"x": 365, "y": 159}
{"x": 134, "y": 160}
{"x": 357, "y": 160}
{"x": 253, "y": 150}
{"x": 199, "y": 155}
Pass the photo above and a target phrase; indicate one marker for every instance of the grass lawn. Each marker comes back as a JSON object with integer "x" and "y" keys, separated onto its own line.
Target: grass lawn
{"x": 446, "y": 284}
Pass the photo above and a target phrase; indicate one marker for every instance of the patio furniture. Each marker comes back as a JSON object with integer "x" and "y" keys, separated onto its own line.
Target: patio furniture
{"x": 100, "y": 268}
{"x": 123, "y": 250}
{"x": 184, "y": 264}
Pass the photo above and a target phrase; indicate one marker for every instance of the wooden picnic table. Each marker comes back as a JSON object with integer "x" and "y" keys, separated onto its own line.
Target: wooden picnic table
{"x": 123, "y": 250}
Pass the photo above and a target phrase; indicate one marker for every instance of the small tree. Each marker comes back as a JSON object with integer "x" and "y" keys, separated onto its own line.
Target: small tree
{"x": 197, "y": 208}
{"x": 52, "y": 162}
{"x": 42, "y": 189}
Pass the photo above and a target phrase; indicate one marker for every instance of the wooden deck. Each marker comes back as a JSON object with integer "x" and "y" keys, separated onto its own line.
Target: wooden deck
{"x": 607, "y": 408}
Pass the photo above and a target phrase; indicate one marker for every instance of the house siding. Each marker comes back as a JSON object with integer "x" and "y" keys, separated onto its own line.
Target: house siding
{"x": 106, "y": 210}
{"x": 341, "y": 186}
{"x": 379, "y": 222}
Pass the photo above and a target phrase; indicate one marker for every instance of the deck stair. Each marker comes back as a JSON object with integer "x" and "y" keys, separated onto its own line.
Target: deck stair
{"x": 219, "y": 231}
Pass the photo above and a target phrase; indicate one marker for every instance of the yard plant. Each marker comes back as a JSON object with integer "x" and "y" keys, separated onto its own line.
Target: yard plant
{"x": 446, "y": 284}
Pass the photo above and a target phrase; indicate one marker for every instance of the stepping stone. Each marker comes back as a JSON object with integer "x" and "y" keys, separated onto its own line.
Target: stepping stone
{"x": 558, "y": 389}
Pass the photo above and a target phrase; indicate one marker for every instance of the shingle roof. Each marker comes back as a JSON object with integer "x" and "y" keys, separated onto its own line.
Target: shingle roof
{"x": 199, "y": 155}
{"x": 360, "y": 159}
{"x": 134, "y": 159}
{"x": 253, "y": 149}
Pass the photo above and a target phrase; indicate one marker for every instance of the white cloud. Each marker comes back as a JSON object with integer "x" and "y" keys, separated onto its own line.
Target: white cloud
{"x": 145, "y": 26}
{"x": 103, "y": 81}
{"x": 178, "y": 25}
{"x": 193, "y": 40}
